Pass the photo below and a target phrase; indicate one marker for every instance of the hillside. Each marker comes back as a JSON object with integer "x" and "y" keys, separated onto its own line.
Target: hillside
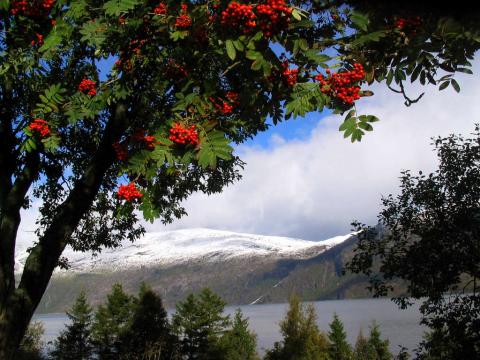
{"x": 242, "y": 268}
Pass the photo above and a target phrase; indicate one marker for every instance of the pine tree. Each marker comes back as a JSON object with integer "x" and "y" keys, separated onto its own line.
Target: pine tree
{"x": 239, "y": 343}
{"x": 302, "y": 340}
{"x": 149, "y": 333}
{"x": 199, "y": 322}
{"x": 75, "y": 343}
{"x": 32, "y": 344}
{"x": 339, "y": 348}
{"x": 111, "y": 320}
{"x": 379, "y": 347}
{"x": 362, "y": 349}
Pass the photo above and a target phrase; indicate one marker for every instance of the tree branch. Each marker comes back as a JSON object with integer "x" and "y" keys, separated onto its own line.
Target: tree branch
{"x": 408, "y": 101}
{"x": 45, "y": 255}
{"x": 10, "y": 220}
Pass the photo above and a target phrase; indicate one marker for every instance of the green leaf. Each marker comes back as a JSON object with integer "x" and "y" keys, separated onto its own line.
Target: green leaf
{"x": 296, "y": 15}
{"x": 465, "y": 70}
{"x": 213, "y": 145}
{"x": 444, "y": 85}
{"x": 117, "y": 7}
{"x": 253, "y": 55}
{"x": 231, "y": 52}
{"x": 455, "y": 85}
{"x": 93, "y": 33}
{"x": 239, "y": 45}
{"x": 359, "y": 21}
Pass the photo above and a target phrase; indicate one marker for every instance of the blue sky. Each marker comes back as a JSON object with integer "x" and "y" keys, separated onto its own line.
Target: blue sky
{"x": 304, "y": 180}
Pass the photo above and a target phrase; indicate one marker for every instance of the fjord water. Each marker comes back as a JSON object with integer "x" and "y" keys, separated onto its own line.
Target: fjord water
{"x": 401, "y": 327}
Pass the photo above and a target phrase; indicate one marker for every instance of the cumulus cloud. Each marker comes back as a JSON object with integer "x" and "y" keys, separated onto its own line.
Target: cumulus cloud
{"x": 312, "y": 188}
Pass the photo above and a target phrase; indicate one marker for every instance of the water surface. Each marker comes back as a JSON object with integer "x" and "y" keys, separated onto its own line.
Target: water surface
{"x": 399, "y": 326}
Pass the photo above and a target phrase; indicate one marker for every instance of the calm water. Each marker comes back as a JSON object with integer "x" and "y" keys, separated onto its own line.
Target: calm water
{"x": 399, "y": 326}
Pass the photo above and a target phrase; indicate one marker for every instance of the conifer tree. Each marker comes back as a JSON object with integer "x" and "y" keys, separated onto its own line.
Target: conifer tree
{"x": 339, "y": 348}
{"x": 149, "y": 332}
{"x": 239, "y": 343}
{"x": 32, "y": 344}
{"x": 111, "y": 320}
{"x": 302, "y": 340}
{"x": 378, "y": 347}
{"x": 75, "y": 343}
{"x": 199, "y": 322}
{"x": 362, "y": 349}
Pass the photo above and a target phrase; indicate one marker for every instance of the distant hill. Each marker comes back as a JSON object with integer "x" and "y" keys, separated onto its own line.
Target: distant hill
{"x": 242, "y": 268}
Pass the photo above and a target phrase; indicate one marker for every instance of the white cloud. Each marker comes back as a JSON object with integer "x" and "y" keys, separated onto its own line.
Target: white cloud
{"x": 313, "y": 188}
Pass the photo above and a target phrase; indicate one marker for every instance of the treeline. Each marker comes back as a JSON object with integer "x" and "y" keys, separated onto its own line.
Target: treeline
{"x": 130, "y": 327}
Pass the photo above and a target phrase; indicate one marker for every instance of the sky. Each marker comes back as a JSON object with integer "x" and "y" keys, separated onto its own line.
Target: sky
{"x": 304, "y": 180}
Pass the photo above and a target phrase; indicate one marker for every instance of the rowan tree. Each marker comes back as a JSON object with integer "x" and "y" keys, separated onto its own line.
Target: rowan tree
{"x": 109, "y": 107}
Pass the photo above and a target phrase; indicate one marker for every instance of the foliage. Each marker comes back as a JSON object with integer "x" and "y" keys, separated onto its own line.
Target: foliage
{"x": 362, "y": 350}
{"x": 199, "y": 322}
{"x": 32, "y": 344}
{"x": 75, "y": 127}
{"x": 239, "y": 343}
{"x": 339, "y": 349}
{"x": 111, "y": 322}
{"x": 378, "y": 348}
{"x": 149, "y": 331}
{"x": 302, "y": 340}
{"x": 429, "y": 238}
{"x": 75, "y": 343}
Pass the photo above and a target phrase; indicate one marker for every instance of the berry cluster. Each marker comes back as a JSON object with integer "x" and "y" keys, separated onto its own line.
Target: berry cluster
{"x": 226, "y": 107}
{"x": 408, "y": 23}
{"x": 148, "y": 140}
{"x": 124, "y": 63}
{"x": 120, "y": 151}
{"x": 174, "y": 70}
{"x": 289, "y": 76}
{"x": 239, "y": 16}
{"x": 183, "y": 21}
{"x": 273, "y": 16}
{"x": 31, "y": 8}
{"x": 40, "y": 126}
{"x": 161, "y": 9}
{"x": 343, "y": 85}
{"x": 136, "y": 46}
{"x": 129, "y": 192}
{"x": 87, "y": 86}
{"x": 38, "y": 41}
{"x": 183, "y": 136}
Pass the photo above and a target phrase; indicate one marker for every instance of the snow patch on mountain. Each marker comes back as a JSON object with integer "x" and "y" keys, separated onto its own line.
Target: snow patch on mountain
{"x": 181, "y": 246}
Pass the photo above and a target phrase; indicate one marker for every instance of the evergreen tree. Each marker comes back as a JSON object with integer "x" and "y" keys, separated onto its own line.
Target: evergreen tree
{"x": 302, "y": 340}
{"x": 149, "y": 332}
{"x": 378, "y": 347}
{"x": 339, "y": 349}
{"x": 75, "y": 343}
{"x": 111, "y": 320}
{"x": 199, "y": 323}
{"x": 362, "y": 349}
{"x": 32, "y": 344}
{"x": 239, "y": 343}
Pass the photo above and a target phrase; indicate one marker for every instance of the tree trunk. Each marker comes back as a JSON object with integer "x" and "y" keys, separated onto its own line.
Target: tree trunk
{"x": 17, "y": 306}
{"x": 15, "y": 315}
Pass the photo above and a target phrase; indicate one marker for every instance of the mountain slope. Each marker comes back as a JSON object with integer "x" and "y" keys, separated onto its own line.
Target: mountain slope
{"x": 183, "y": 246}
{"x": 242, "y": 268}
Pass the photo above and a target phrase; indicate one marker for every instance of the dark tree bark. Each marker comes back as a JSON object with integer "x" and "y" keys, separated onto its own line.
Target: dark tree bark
{"x": 17, "y": 305}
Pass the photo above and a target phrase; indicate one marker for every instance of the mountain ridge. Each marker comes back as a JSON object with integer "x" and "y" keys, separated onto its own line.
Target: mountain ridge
{"x": 183, "y": 246}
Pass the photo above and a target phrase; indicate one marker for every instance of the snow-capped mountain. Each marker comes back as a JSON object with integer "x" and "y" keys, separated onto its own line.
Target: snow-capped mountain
{"x": 183, "y": 246}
